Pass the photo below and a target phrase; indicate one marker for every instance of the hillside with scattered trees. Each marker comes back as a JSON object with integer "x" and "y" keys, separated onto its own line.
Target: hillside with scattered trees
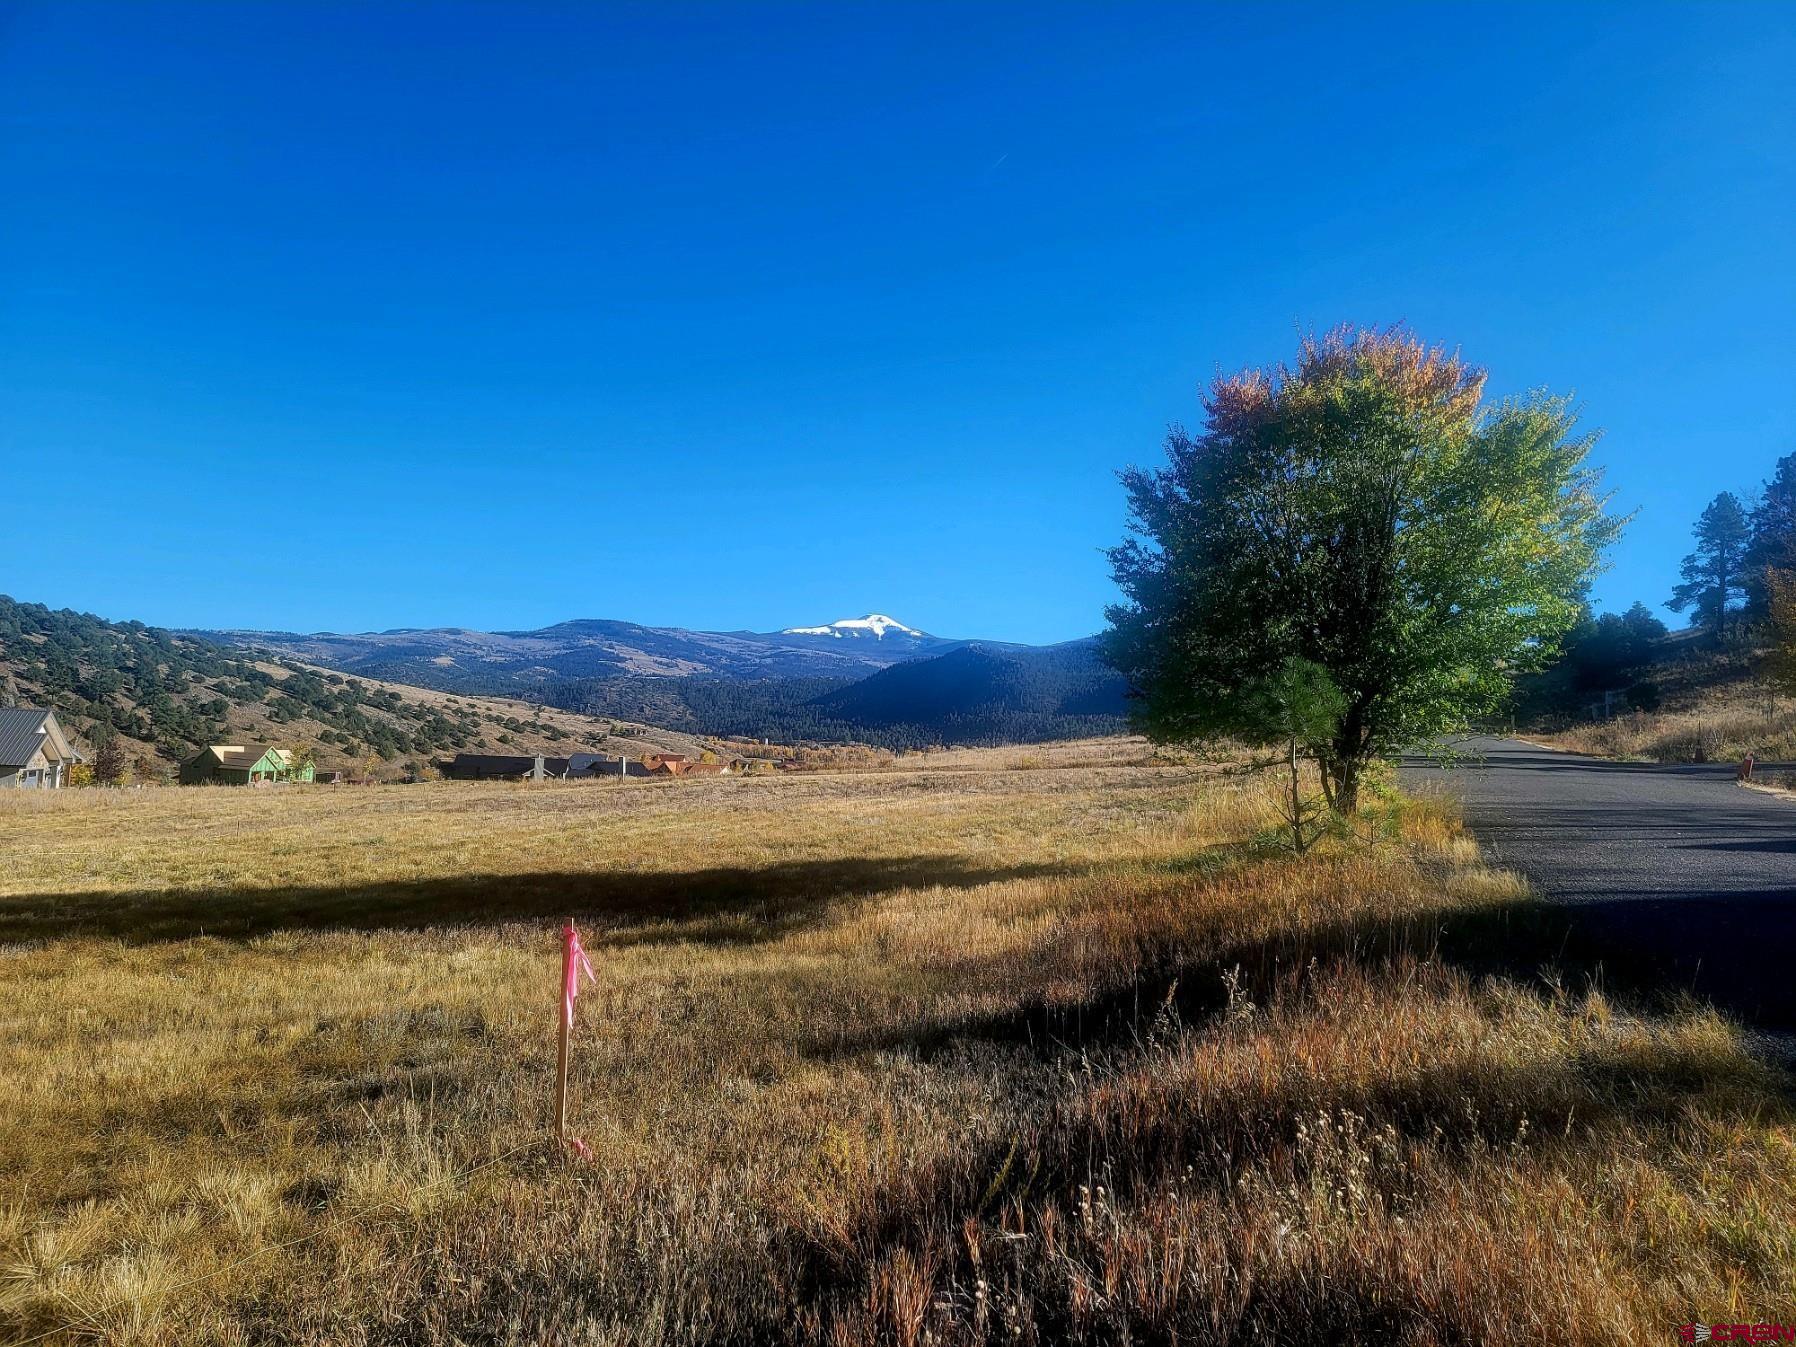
{"x": 142, "y": 699}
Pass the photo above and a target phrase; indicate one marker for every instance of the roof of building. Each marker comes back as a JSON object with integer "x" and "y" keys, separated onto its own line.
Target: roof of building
{"x": 494, "y": 762}
{"x": 23, "y": 730}
{"x": 505, "y": 764}
{"x": 239, "y": 757}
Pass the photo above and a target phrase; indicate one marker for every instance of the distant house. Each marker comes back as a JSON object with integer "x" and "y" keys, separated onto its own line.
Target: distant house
{"x": 242, "y": 765}
{"x": 34, "y": 752}
{"x": 504, "y": 767}
{"x": 576, "y": 766}
{"x": 582, "y": 765}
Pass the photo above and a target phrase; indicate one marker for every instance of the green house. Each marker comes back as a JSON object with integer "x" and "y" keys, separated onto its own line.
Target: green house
{"x": 241, "y": 765}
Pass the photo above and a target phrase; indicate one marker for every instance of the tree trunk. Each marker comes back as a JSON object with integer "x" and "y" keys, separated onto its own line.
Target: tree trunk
{"x": 1296, "y": 805}
{"x": 1347, "y": 757}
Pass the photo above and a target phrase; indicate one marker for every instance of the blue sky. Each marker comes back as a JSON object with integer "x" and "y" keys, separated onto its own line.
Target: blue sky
{"x": 730, "y": 316}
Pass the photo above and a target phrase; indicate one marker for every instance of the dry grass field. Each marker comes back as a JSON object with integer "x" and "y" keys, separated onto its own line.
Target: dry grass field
{"x": 1018, "y": 1046}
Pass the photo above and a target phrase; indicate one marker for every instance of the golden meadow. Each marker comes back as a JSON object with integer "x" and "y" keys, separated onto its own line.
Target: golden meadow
{"x": 1044, "y": 1045}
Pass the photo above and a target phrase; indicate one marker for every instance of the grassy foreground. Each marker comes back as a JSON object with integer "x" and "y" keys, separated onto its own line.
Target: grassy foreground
{"x": 1024, "y": 1046}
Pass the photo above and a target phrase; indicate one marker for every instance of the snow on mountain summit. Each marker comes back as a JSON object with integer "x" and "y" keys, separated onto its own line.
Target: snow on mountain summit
{"x": 876, "y": 625}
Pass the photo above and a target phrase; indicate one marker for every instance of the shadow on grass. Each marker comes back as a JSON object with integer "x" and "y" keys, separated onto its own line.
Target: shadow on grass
{"x": 1567, "y": 1113}
{"x": 1645, "y": 953}
{"x": 724, "y": 905}
{"x": 1568, "y": 1108}
{"x": 1525, "y": 940}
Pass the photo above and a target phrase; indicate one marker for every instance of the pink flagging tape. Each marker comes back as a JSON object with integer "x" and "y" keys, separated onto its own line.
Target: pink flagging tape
{"x": 572, "y": 967}
{"x": 574, "y": 963}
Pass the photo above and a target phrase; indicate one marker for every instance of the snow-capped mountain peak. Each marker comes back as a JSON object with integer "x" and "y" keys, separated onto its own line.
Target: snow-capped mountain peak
{"x": 876, "y": 625}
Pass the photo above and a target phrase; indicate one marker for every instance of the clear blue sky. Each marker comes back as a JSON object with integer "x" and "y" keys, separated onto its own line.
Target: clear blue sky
{"x": 731, "y": 316}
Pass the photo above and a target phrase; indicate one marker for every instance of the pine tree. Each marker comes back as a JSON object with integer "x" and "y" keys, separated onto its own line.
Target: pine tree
{"x": 1715, "y": 573}
{"x": 1780, "y": 662}
{"x": 1773, "y": 546}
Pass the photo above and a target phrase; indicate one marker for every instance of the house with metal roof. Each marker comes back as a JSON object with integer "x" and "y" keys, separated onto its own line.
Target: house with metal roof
{"x": 516, "y": 767}
{"x": 581, "y": 765}
{"x": 242, "y": 765}
{"x": 34, "y": 752}
{"x": 504, "y": 767}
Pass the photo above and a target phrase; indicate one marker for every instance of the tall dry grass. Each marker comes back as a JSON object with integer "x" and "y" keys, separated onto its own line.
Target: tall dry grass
{"x": 1060, "y": 1050}
{"x": 1720, "y": 724}
{"x": 1717, "y": 707}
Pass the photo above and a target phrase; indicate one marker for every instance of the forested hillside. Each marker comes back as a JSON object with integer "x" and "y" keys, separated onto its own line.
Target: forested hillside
{"x": 977, "y": 695}
{"x": 763, "y": 708}
{"x": 972, "y": 695}
{"x": 1718, "y": 691}
{"x": 168, "y": 694}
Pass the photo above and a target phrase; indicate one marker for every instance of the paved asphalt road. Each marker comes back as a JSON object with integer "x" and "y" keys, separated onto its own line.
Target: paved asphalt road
{"x": 1673, "y": 870}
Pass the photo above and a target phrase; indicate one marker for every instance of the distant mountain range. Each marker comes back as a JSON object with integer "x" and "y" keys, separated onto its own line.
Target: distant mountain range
{"x": 422, "y": 694}
{"x": 869, "y": 678}
{"x": 456, "y": 659}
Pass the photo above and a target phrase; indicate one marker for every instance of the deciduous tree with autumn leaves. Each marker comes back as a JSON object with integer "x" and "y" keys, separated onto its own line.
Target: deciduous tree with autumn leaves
{"x": 1366, "y": 510}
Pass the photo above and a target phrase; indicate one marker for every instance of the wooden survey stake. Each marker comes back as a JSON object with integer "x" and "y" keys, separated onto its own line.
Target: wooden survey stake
{"x": 564, "y": 1025}
{"x": 573, "y": 965}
